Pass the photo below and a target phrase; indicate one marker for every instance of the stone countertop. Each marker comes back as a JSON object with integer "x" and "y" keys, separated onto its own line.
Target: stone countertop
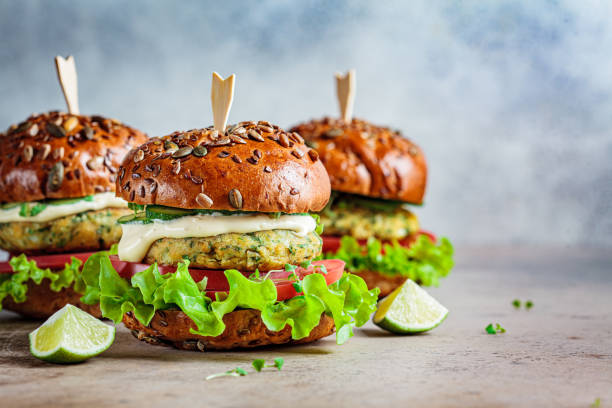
{"x": 559, "y": 353}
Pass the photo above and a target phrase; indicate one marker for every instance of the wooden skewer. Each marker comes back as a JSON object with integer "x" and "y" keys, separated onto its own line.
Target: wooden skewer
{"x": 345, "y": 88}
{"x": 221, "y": 95}
{"x": 67, "y": 75}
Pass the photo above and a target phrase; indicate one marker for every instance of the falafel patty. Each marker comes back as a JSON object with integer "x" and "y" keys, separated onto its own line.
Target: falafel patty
{"x": 362, "y": 223}
{"x": 86, "y": 231}
{"x": 263, "y": 250}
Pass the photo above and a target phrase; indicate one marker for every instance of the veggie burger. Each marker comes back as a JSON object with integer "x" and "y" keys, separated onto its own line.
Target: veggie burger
{"x": 57, "y": 204}
{"x": 376, "y": 175}
{"x": 219, "y": 250}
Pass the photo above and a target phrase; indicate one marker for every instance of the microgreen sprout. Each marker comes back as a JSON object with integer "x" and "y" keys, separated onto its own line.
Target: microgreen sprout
{"x": 516, "y": 303}
{"x": 596, "y": 403}
{"x": 236, "y": 372}
{"x": 306, "y": 264}
{"x": 259, "y": 364}
{"x": 290, "y": 268}
{"x": 528, "y": 304}
{"x": 494, "y": 329}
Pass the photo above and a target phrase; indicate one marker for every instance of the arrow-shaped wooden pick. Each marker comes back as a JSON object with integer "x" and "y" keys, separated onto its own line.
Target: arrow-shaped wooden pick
{"x": 345, "y": 88}
{"x": 66, "y": 72}
{"x": 221, "y": 95}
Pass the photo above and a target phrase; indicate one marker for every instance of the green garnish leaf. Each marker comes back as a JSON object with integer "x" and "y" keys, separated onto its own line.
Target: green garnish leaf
{"x": 290, "y": 268}
{"x": 516, "y": 303}
{"x": 278, "y": 363}
{"x": 240, "y": 371}
{"x": 258, "y": 364}
{"x": 494, "y": 330}
{"x": 306, "y": 264}
{"x": 424, "y": 262}
{"x": 528, "y": 304}
{"x": 596, "y": 403}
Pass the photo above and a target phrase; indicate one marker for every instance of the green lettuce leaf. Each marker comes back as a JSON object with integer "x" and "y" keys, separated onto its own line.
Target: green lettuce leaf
{"x": 15, "y": 284}
{"x": 423, "y": 262}
{"x": 348, "y": 301}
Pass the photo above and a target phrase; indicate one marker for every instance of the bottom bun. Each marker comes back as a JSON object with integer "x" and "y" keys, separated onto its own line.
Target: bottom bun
{"x": 41, "y": 302}
{"x": 243, "y": 329}
{"x": 386, "y": 284}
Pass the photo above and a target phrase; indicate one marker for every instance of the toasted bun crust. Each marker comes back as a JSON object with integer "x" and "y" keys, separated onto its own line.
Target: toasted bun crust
{"x": 252, "y": 167}
{"x": 386, "y": 284}
{"x": 244, "y": 329}
{"x": 368, "y": 160}
{"x": 42, "y": 302}
{"x": 57, "y": 155}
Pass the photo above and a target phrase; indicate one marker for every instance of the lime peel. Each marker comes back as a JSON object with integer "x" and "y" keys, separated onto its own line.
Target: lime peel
{"x": 409, "y": 309}
{"x": 70, "y": 335}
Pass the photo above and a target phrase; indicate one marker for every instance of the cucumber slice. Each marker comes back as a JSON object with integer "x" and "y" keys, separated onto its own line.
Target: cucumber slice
{"x": 160, "y": 212}
{"x": 130, "y": 218}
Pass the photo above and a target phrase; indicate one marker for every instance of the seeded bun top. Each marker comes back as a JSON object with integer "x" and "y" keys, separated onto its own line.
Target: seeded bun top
{"x": 57, "y": 155}
{"x": 253, "y": 166}
{"x": 368, "y": 160}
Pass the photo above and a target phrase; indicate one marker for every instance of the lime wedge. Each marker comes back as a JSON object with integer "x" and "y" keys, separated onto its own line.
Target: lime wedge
{"x": 409, "y": 309}
{"x": 70, "y": 335}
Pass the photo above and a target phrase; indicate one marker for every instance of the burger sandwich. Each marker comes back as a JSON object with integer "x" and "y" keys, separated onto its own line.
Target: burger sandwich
{"x": 57, "y": 203}
{"x": 219, "y": 250}
{"x": 377, "y": 177}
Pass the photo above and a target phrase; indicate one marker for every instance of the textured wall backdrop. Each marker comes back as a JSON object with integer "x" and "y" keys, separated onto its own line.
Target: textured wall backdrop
{"x": 511, "y": 100}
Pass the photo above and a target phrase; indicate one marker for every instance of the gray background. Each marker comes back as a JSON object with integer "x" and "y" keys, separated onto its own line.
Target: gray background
{"x": 511, "y": 100}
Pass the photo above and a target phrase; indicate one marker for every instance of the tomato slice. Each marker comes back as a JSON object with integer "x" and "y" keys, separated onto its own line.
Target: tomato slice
{"x": 217, "y": 281}
{"x": 331, "y": 243}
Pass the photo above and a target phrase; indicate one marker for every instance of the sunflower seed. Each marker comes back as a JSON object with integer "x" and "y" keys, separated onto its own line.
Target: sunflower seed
{"x": 70, "y": 123}
{"x": 200, "y": 151}
{"x": 33, "y": 130}
{"x": 45, "y": 150}
{"x": 237, "y": 139}
{"x": 297, "y": 153}
{"x": 94, "y": 163}
{"x": 283, "y": 140}
{"x": 214, "y": 134}
{"x": 138, "y": 156}
{"x": 176, "y": 167}
{"x": 257, "y": 153}
{"x": 221, "y": 142}
{"x": 236, "y": 159}
{"x": 253, "y": 134}
{"x": 235, "y": 198}
{"x": 163, "y": 323}
{"x": 132, "y": 195}
{"x": 197, "y": 180}
{"x": 28, "y": 153}
{"x": 58, "y": 153}
{"x": 239, "y": 130}
{"x": 143, "y": 192}
{"x": 182, "y": 152}
{"x": 56, "y": 177}
{"x": 204, "y": 201}
{"x": 87, "y": 132}
{"x": 223, "y": 154}
{"x": 156, "y": 170}
{"x": 135, "y": 175}
{"x": 58, "y": 121}
{"x": 55, "y": 130}
{"x": 294, "y": 191}
{"x": 121, "y": 173}
{"x": 252, "y": 160}
{"x": 267, "y": 169}
{"x": 331, "y": 133}
{"x": 313, "y": 155}
{"x": 267, "y": 129}
{"x": 153, "y": 187}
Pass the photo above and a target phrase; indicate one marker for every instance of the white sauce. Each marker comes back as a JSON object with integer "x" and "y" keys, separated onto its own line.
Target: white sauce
{"x": 52, "y": 212}
{"x": 137, "y": 238}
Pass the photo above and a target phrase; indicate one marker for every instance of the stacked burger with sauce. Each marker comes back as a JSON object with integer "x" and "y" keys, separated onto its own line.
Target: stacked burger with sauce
{"x": 57, "y": 183}
{"x": 377, "y": 177}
